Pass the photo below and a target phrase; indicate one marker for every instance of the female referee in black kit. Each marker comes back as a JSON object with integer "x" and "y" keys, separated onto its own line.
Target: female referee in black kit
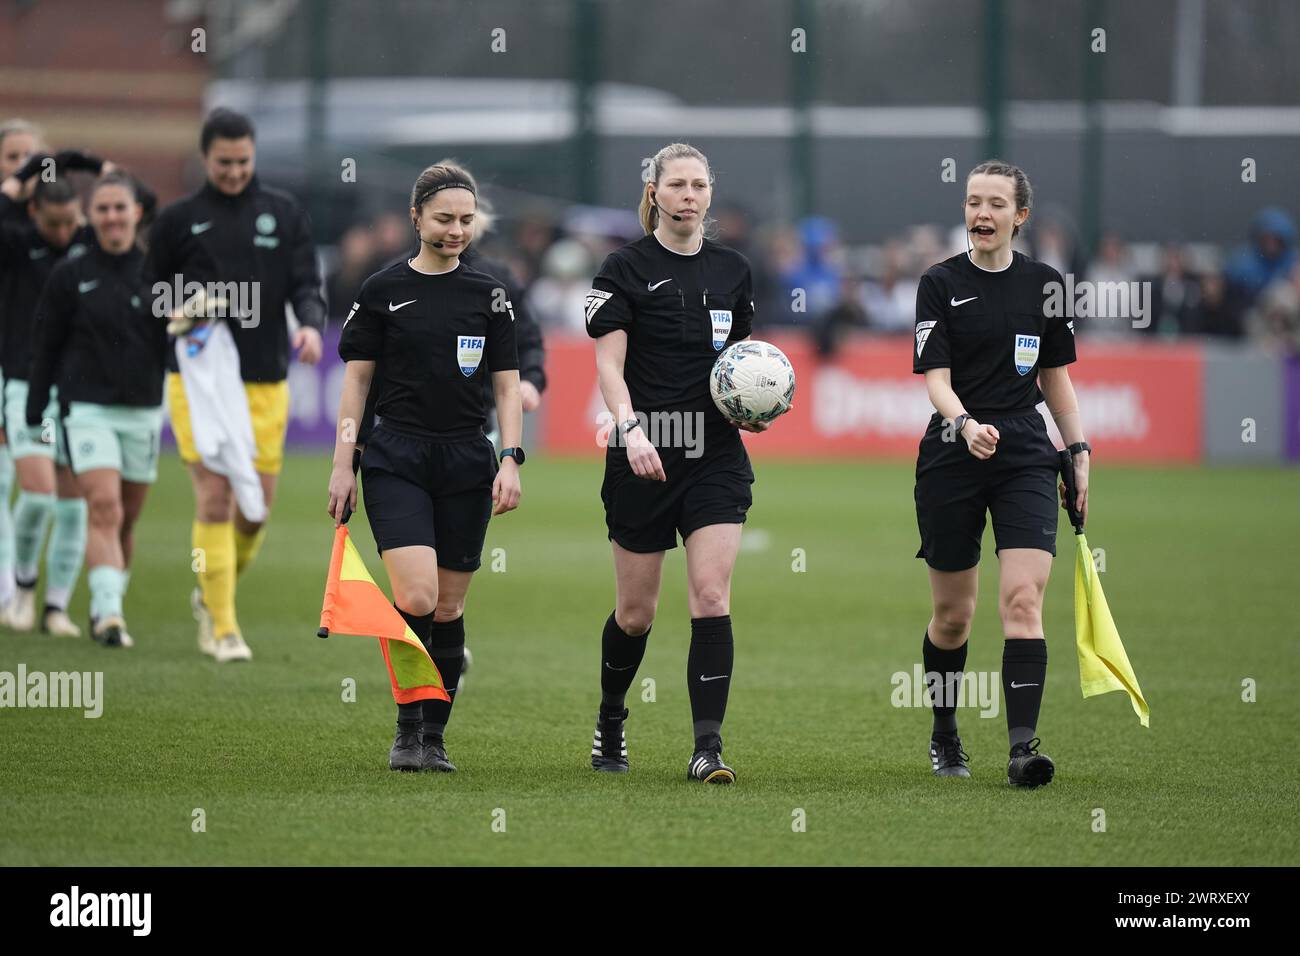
{"x": 430, "y": 475}
{"x": 661, "y": 310}
{"x": 986, "y": 348}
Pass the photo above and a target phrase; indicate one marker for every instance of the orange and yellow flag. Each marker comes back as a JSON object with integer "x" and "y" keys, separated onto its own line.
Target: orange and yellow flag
{"x": 354, "y": 604}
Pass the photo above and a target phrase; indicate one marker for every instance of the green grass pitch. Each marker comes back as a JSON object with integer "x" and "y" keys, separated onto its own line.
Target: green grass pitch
{"x": 1200, "y": 575}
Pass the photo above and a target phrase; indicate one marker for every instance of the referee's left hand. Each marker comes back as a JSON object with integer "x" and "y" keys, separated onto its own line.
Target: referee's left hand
{"x": 754, "y": 426}
{"x": 308, "y": 343}
{"x": 505, "y": 489}
{"x": 1081, "y": 482}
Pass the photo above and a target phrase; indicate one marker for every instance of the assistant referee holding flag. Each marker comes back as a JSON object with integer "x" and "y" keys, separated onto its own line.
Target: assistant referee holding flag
{"x": 985, "y": 347}
{"x": 428, "y": 472}
{"x": 235, "y": 230}
{"x": 661, "y": 309}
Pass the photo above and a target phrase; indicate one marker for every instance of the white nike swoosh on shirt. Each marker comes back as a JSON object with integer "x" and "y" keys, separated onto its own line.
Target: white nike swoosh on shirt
{"x": 954, "y": 302}
{"x": 198, "y": 227}
{"x": 718, "y": 677}
{"x": 657, "y": 284}
{"x": 394, "y": 308}
{"x": 84, "y": 287}
{"x": 1015, "y": 686}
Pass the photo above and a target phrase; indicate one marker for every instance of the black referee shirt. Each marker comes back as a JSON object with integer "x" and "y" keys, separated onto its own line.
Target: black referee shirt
{"x": 436, "y": 338}
{"x": 989, "y": 328}
{"x": 96, "y": 336}
{"x": 263, "y": 236}
{"x": 679, "y": 312}
{"x": 26, "y": 261}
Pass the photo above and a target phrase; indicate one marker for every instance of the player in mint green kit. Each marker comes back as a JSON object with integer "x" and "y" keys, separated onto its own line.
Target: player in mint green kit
{"x": 40, "y": 223}
{"x": 97, "y": 338}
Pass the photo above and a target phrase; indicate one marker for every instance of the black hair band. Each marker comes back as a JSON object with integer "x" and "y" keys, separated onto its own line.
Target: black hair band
{"x": 454, "y": 184}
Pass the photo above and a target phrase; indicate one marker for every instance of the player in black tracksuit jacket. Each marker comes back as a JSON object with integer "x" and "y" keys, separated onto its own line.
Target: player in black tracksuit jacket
{"x": 986, "y": 339}
{"x": 30, "y": 247}
{"x": 97, "y": 339}
{"x": 255, "y": 242}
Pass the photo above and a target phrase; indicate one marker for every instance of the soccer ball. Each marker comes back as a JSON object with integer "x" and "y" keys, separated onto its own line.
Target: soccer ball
{"x": 752, "y": 382}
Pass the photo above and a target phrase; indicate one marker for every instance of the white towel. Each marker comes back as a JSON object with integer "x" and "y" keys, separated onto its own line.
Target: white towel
{"x": 219, "y": 418}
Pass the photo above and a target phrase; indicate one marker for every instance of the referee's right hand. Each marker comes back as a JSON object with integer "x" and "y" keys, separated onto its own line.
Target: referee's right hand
{"x": 644, "y": 457}
{"x": 343, "y": 488}
{"x": 982, "y": 440}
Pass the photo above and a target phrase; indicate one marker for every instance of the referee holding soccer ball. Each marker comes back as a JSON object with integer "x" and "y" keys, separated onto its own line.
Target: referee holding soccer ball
{"x": 661, "y": 310}
{"x": 986, "y": 347}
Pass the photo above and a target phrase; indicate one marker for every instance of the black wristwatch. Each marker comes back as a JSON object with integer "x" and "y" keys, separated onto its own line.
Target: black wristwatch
{"x": 516, "y": 453}
{"x": 959, "y": 423}
{"x": 1080, "y": 446}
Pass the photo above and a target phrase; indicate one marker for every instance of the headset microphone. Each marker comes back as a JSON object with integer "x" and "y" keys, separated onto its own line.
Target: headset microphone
{"x": 662, "y": 209}
{"x": 436, "y": 245}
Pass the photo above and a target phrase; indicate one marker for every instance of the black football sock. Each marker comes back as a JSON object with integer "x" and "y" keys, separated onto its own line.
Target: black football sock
{"x": 620, "y": 656}
{"x": 409, "y": 714}
{"x": 708, "y": 674}
{"x": 947, "y": 666}
{"x": 447, "y": 648}
{"x": 1024, "y": 671}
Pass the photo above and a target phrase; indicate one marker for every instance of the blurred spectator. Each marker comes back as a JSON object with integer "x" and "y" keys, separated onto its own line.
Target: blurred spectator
{"x": 1212, "y": 314}
{"x": 1270, "y": 256}
{"x": 394, "y": 236}
{"x": 534, "y": 234}
{"x": 557, "y": 299}
{"x": 1275, "y": 320}
{"x": 812, "y": 283}
{"x": 1053, "y": 241}
{"x": 846, "y": 314}
{"x": 1174, "y": 295}
{"x": 1112, "y": 263}
{"x": 356, "y": 257}
{"x": 890, "y": 301}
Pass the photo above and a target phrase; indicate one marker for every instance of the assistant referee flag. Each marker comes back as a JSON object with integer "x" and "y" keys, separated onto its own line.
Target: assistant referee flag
{"x": 1103, "y": 663}
{"x": 354, "y": 604}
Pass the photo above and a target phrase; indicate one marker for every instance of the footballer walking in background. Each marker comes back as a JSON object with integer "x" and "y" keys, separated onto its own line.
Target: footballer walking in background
{"x": 97, "y": 339}
{"x": 41, "y": 222}
{"x": 18, "y": 140}
{"x": 429, "y": 474}
{"x": 990, "y": 355}
{"x": 256, "y": 241}
{"x": 661, "y": 309}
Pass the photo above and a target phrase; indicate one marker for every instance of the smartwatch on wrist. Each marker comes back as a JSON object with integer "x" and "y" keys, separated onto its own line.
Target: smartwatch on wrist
{"x": 627, "y": 426}
{"x": 516, "y": 453}
{"x": 959, "y": 423}
{"x": 1080, "y": 446}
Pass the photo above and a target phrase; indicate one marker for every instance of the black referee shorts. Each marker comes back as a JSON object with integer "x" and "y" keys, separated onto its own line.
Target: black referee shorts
{"x": 1017, "y": 486}
{"x": 646, "y": 516}
{"x": 437, "y": 494}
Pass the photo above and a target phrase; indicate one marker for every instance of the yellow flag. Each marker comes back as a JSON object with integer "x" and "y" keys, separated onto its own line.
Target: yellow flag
{"x": 1103, "y": 664}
